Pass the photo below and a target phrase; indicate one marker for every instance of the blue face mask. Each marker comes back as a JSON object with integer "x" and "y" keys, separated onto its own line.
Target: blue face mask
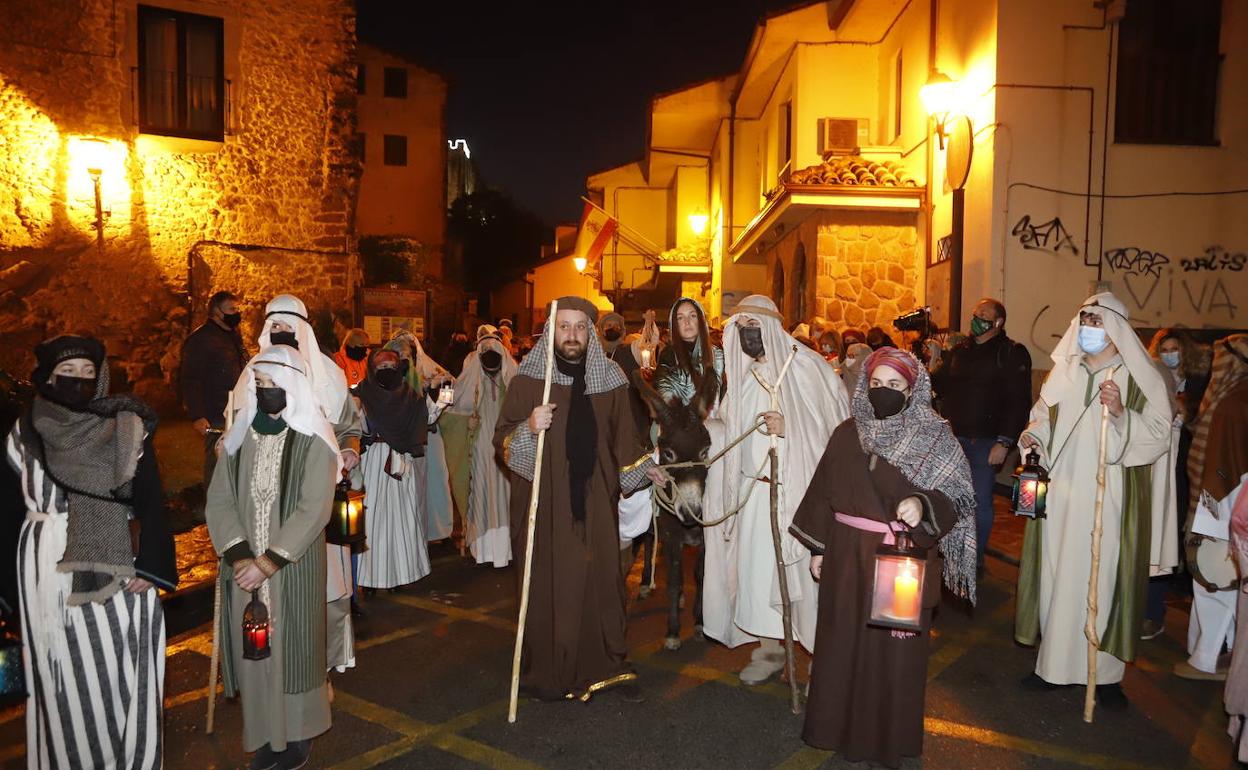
{"x": 1171, "y": 359}
{"x": 1092, "y": 340}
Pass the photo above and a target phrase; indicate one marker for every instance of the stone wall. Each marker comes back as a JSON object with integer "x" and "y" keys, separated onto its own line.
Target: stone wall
{"x": 267, "y": 210}
{"x": 861, "y": 268}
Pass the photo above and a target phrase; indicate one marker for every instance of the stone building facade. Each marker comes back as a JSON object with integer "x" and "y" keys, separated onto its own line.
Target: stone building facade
{"x": 221, "y": 135}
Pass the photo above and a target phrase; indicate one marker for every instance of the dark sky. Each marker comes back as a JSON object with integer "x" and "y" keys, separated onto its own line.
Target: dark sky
{"x": 548, "y": 93}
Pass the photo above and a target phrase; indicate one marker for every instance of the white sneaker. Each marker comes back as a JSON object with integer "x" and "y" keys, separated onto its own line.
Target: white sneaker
{"x": 761, "y": 667}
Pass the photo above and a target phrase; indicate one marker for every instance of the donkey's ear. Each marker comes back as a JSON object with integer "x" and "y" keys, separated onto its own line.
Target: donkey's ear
{"x": 658, "y": 405}
{"x": 705, "y": 395}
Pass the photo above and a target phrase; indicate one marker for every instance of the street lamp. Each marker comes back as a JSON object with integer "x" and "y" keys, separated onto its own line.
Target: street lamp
{"x": 939, "y": 96}
{"x": 698, "y": 221}
{"x": 580, "y": 263}
{"x": 94, "y": 153}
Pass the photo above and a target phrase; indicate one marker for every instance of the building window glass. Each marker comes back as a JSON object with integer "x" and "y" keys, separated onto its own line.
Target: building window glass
{"x": 897, "y": 91}
{"x": 396, "y": 82}
{"x": 181, "y": 74}
{"x": 1168, "y": 63}
{"x": 360, "y": 80}
{"x": 395, "y": 150}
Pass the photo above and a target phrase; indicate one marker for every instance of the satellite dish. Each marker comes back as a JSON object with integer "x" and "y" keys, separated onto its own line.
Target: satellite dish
{"x": 958, "y": 155}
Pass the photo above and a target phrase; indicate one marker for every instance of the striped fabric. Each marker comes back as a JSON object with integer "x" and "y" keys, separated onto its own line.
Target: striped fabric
{"x": 96, "y": 682}
{"x": 394, "y": 520}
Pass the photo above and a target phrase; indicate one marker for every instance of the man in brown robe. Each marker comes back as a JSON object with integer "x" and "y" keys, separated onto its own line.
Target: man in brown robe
{"x": 574, "y": 638}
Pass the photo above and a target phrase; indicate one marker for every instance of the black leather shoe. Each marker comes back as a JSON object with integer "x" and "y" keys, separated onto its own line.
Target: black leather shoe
{"x": 264, "y": 759}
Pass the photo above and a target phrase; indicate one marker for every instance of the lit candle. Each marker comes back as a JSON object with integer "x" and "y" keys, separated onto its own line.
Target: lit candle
{"x": 260, "y": 637}
{"x": 353, "y": 514}
{"x": 906, "y": 594}
{"x": 645, "y": 358}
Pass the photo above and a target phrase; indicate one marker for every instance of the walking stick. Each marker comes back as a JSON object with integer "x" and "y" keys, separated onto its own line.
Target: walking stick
{"x": 215, "y": 659}
{"x": 528, "y": 546}
{"x": 1089, "y": 628}
{"x": 786, "y": 604}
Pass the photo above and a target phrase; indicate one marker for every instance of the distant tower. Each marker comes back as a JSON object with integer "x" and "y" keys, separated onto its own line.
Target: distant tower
{"x": 461, "y": 172}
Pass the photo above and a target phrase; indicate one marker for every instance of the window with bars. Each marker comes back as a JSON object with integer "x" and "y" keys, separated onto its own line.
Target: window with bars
{"x": 1168, "y": 71}
{"x": 181, "y": 74}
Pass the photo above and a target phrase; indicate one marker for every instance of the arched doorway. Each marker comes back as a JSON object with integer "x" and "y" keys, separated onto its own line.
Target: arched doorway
{"x": 777, "y": 285}
{"x": 799, "y": 284}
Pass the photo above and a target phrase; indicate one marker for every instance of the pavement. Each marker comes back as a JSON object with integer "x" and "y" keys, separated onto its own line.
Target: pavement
{"x": 430, "y": 691}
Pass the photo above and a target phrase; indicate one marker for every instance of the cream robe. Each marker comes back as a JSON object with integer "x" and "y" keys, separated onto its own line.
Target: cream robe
{"x": 1066, "y": 563}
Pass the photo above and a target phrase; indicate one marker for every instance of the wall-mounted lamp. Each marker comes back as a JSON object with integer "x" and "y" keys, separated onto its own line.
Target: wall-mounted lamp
{"x": 940, "y": 96}
{"x": 698, "y": 221}
{"x": 95, "y": 156}
{"x": 580, "y": 263}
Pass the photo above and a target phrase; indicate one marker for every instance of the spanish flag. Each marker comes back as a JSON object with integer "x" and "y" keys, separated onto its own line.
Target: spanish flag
{"x": 597, "y": 229}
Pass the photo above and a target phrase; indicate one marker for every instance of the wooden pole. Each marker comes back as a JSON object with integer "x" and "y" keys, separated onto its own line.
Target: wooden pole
{"x": 786, "y": 604}
{"x": 532, "y": 526}
{"x": 215, "y": 659}
{"x": 1089, "y": 628}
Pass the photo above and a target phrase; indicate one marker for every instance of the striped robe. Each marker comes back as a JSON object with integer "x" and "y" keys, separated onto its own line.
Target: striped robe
{"x": 96, "y": 681}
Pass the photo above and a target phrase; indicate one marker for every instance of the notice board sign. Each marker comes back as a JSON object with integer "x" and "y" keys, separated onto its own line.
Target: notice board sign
{"x": 388, "y": 309}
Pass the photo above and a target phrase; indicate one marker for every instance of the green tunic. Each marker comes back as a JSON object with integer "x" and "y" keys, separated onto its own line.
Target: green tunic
{"x": 284, "y": 697}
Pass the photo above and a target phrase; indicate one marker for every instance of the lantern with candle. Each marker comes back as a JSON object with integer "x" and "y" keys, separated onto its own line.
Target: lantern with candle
{"x": 897, "y": 598}
{"x": 1031, "y": 488}
{"x": 257, "y": 633}
{"x": 12, "y": 673}
{"x": 346, "y": 518}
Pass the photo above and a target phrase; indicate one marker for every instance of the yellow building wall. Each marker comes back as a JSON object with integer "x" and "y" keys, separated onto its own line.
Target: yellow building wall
{"x": 559, "y": 278}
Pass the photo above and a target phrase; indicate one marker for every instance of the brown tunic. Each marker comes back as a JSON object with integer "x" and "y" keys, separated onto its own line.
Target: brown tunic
{"x": 866, "y": 689}
{"x": 574, "y": 635}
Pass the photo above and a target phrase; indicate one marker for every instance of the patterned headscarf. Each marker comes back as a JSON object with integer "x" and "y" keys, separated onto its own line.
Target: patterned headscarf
{"x": 601, "y": 373}
{"x": 899, "y": 361}
{"x": 1230, "y": 370}
{"x": 920, "y": 444}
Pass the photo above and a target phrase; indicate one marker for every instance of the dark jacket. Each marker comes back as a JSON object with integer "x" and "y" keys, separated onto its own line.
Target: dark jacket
{"x": 985, "y": 389}
{"x": 212, "y": 360}
{"x": 623, "y": 356}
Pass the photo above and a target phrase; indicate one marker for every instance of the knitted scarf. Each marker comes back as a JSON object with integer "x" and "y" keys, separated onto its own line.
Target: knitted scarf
{"x": 92, "y": 454}
{"x": 920, "y": 445}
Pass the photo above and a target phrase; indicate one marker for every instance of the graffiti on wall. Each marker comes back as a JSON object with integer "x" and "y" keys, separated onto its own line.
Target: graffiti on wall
{"x": 1050, "y": 236}
{"x": 1149, "y": 284}
{"x": 1215, "y": 259}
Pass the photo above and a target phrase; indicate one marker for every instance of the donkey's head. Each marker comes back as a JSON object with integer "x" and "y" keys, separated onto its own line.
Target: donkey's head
{"x": 683, "y": 438}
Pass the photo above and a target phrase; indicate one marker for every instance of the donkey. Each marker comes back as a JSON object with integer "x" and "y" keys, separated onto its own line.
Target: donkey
{"x": 682, "y": 438}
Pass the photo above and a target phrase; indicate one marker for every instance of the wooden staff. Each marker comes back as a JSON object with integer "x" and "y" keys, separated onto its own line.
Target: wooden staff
{"x": 786, "y": 604}
{"x": 215, "y": 659}
{"x": 1089, "y": 627}
{"x": 528, "y": 547}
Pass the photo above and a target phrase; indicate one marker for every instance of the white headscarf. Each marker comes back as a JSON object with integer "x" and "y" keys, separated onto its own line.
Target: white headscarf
{"x": 302, "y": 414}
{"x": 812, "y": 400}
{"x": 329, "y": 384}
{"x": 426, "y": 368}
{"x": 474, "y": 376}
{"x": 1068, "y": 356}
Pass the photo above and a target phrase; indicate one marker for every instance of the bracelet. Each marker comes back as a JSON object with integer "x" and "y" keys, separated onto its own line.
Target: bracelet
{"x": 266, "y": 565}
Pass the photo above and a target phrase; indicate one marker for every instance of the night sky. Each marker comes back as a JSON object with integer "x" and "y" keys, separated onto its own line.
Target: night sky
{"x": 547, "y": 93}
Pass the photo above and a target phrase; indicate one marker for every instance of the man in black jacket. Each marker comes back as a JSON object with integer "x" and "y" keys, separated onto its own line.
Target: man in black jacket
{"x": 212, "y": 360}
{"x": 984, "y": 386}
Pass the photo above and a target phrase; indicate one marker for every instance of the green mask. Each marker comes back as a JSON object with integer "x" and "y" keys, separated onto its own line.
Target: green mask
{"x": 980, "y": 326}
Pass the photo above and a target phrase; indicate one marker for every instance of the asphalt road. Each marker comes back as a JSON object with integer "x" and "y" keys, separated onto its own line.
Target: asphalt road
{"x": 430, "y": 691}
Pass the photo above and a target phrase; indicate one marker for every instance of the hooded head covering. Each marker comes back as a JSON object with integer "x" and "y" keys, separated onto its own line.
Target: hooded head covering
{"x": 286, "y": 367}
{"x": 1219, "y": 454}
{"x": 601, "y": 373}
{"x": 610, "y": 319}
{"x": 1068, "y": 356}
{"x": 920, "y": 444}
{"x": 486, "y": 330}
{"x": 474, "y": 377}
{"x": 399, "y": 417}
{"x": 328, "y": 382}
{"x": 92, "y": 453}
{"x": 812, "y": 400}
{"x": 423, "y": 368}
{"x": 353, "y": 369}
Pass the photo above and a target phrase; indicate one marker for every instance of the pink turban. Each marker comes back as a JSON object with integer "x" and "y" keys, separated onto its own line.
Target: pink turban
{"x": 898, "y": 360}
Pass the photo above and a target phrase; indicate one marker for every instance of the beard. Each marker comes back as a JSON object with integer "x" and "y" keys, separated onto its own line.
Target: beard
{"x": 571, "y": 350}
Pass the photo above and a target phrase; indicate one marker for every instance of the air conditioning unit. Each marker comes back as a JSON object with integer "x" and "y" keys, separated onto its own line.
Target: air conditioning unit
{"x": 843, "y": 136}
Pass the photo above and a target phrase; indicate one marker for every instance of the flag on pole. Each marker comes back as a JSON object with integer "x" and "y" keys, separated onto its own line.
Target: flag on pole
{"x": 596, "y": 230}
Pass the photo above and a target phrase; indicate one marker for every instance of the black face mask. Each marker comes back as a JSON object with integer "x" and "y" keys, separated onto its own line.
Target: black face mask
{"x": 232, "y": 320}
{"x": 612, "y": 334}
{"x": 491, "y": 360}
{"x": 357, "y": 352}
{"x": 284, "y": 338}
{"x": 270, "y": 400}
{"x": 886, "y": 402}
{"x": 752, "y": 341}
{"x": 72, "y": 392}
{"x": 389, "y": 379}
